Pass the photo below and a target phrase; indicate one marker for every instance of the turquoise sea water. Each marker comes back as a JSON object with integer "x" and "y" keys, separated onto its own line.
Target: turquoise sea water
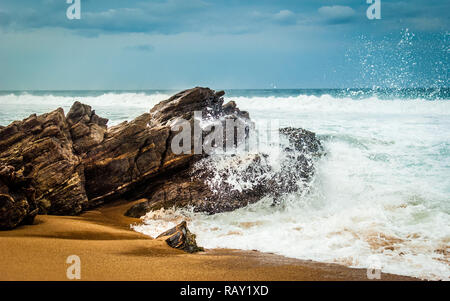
{"x": 380, "y": 198}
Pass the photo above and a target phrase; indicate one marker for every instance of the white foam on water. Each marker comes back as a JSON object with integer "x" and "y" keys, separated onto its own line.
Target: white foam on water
{"x": 380, "y": 197}
{"x": 116, "y": 107}
{"x": 325, "y": 104}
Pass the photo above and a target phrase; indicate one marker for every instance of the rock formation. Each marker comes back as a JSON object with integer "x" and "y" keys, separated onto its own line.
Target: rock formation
{"x": 134, "y": 155}
{"x": 198, "y": 186}
{"x": 40, "y": 148}
{"x": 181, "y": 238}
{"x": 17, "y": 205}
{"x": 62, "y": 165}
{"x": 75, "y": 162}
{"x": 86, "y": 128}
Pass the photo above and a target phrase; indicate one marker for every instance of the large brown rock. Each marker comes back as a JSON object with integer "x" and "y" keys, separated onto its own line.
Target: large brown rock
{"x": 133, "y": 154}
{"x": 75, "y": 162}
{"x": 40, "y": 148}
{"x": 58, "y": 164}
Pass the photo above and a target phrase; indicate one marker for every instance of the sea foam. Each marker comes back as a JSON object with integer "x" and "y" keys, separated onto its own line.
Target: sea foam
{"x": 380, "y": 198}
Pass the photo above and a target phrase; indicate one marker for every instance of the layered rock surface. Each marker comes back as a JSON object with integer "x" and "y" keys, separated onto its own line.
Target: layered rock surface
{"x": 17, "y": 199}
{"x": 75, "y": 162}
{"x": 62, "y": 165}
{"x": 40, "y": 149}
{"x": 135, "y": 155}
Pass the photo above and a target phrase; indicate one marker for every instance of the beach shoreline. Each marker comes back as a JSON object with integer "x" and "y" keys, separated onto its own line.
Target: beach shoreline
{"x": 109, "y": 250}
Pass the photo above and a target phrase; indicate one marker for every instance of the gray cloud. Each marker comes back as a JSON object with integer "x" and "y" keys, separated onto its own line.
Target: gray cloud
{"x": 337, "y": 14}
{"x": 285, "y": 17}
{"x": 170, "y": 16}
{"x": 216, "y": 17}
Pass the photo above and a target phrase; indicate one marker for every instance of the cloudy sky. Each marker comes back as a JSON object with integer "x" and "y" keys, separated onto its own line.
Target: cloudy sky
{"x": 222, "y": 44}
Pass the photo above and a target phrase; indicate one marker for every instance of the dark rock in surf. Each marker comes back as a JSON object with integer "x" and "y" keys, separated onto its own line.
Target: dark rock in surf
{"x": 75, "y": 162}
{"x": 134, "y": 155}
{"x": 57, "y": 164}
{"x": 139, "y": 209}
{"x": 303, "y": 140}
{"x": 192, "y": 187}
{"x": 181, "y": 238}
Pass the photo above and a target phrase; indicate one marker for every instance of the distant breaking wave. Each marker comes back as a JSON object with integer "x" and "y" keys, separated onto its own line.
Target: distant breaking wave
{"x": 123, "y": 106}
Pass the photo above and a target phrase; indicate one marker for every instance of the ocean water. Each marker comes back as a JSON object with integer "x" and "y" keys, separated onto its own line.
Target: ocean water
{"x": 380, "y": 198}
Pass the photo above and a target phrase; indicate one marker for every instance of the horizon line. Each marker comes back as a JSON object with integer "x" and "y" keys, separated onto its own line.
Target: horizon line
{"x": 180, "y": 89}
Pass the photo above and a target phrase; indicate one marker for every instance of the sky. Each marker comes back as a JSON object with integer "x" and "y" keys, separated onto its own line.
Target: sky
{"x": 223, "y": 44}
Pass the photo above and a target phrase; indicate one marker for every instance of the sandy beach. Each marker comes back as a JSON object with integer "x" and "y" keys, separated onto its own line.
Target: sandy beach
{"x": 109, "y": 250}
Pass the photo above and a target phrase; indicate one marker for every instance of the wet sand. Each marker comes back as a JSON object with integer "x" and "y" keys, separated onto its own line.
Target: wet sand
{"x": 109, "y": 250}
